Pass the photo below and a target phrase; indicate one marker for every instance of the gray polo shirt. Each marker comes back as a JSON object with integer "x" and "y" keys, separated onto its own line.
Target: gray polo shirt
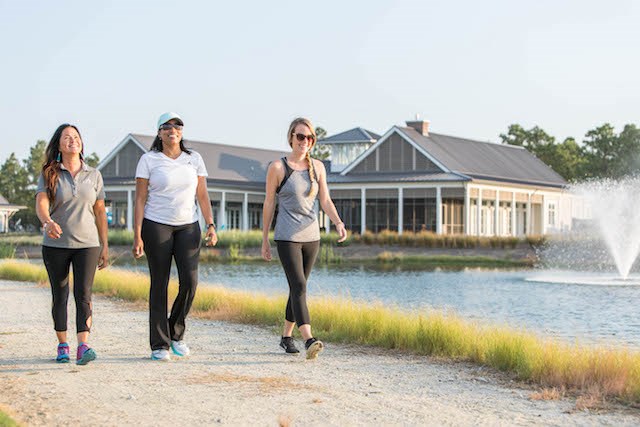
{"x": 72, "y": 208}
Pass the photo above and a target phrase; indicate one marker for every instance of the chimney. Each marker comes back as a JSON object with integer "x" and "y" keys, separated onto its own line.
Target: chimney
{"x": 422, "y": 126}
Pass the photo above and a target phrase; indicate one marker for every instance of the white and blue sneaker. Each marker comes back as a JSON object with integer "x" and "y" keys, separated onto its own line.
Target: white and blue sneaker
{"x": 180, "y": 348}
{"x": 162, "y": 355}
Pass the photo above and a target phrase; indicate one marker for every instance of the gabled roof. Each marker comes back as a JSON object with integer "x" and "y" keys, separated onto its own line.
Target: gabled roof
{"x": 352, "y": 136}
{"x": 5, "y": 205}
{"x": 486, "y": 160}
{"x": 228, "y": 162}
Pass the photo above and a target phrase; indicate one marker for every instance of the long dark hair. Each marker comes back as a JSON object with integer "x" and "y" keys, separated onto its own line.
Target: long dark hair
{"x": 51, "y": 165}
{"x": 157, "y": 145}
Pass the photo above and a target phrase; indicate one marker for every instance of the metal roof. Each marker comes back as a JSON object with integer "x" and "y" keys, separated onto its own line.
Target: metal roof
{"x": 228, "y": 162}
{"x": 486, "y": 160}
{"x": 352, "y": 136}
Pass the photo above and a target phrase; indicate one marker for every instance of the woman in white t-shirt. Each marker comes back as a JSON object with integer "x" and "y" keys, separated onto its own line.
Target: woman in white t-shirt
{"x": 169, "y": 180}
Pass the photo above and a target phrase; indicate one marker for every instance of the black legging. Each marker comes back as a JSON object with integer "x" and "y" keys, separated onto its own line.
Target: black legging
{"x": 161, "y": 243}
{"x": 84, "y": 262}
{"x": 297, "y": 260}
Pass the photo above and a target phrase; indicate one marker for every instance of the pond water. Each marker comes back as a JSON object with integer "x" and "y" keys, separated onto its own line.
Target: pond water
{"x": 595, "y": 313}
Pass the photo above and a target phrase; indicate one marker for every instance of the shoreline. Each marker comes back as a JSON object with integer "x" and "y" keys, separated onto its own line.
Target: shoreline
{"x": 238, "y": 375}
{"x": 522, "y": 256}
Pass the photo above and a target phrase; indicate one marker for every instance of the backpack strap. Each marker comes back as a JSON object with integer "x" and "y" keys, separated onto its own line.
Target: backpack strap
{"x": 287, "y": 173}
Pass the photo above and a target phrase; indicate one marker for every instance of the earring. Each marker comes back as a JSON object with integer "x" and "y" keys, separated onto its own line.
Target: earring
{"x": 59, "y": 158}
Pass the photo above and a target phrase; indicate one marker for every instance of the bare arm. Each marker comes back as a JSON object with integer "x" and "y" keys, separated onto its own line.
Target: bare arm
{"x": 142, "y": 191}
{"x": 101, "y": 222}
{"x": 325, "y": 200}
{"x": 50, "y": 227}
{"x": 275, "y": 174}
{"x": 205, "y": 207}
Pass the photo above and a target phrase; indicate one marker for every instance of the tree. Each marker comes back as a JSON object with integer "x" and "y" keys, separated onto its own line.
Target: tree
{"x": 562, "y": 158}
{"x": 320, "y": 151}
{"x": 629, "y": 151}
{"x": 535, "y": 139}
{"x": 601, "y": 151}
{"x": 33, "y": 163}
{"x": 14, "y": 181}
{"x": 569, "y": 160}
{"x": 92, "y": 160}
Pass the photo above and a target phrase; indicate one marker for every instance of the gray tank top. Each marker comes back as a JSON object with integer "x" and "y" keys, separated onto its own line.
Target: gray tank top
{"x": 297, "y": 220}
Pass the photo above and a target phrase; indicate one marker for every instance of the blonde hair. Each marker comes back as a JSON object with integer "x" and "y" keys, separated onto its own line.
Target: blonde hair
{"x": 313, "y": 191}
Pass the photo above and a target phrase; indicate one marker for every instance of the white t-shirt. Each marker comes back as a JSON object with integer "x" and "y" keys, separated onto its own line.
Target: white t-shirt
{"x": 172, "y": 186}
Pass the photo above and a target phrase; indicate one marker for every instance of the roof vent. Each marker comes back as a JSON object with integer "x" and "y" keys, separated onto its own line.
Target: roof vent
{"x": 422, "y": 126}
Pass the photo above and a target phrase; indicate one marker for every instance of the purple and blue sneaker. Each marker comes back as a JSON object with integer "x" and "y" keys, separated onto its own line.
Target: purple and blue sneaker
{"x": 63, "y": 353}
{"x": 85, "y": 354}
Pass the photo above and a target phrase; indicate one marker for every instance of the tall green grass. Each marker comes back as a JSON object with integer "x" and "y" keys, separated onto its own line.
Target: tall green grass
{"x": 429, "y": 239}
{"x": 7, "y": 250}
{"x": 613, "y": 373}
{"x": 253, "y": 239}
{"x": 7, "y": 421}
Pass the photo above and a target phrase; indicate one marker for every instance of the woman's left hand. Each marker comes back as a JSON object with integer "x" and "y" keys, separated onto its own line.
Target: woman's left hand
{"x": 103, "y": 260}
{"x": 342, "y": 232}
{"x": 211, "y": 238}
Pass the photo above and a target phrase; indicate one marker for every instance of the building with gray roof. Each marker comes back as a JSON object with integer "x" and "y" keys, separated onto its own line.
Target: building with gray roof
{"x": 407, "y": 180}
{"x": 6, "y": 211}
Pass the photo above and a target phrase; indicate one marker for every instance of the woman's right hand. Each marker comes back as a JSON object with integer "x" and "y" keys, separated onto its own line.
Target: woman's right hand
{"x": 53, "y": 230}
{"x": 266, "y": 250}
{"x": 138, "y": 247}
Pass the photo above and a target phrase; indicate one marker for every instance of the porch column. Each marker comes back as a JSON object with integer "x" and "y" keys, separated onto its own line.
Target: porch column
{"x": 222, "y": 214}
{"x": 528, "y": 222}
{"x": 438, "y": 210}
{"x": 514, "y": 228}
{"x": 327, "y": 223}
{"x": 467, "y": 210}
{"x": 479, "y": 212}
{"x": 363, "y": 211}
{"x": 496, "y": 215}
{"x": 129, "y": 210}
{"x": 245, "y": 212}
{"x": 400, "y": 211}
{"x": 544, "y": 215}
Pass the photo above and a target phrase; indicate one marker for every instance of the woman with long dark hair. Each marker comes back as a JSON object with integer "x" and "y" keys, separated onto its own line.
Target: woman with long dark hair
{"x": 297, "y": 181}
{"x": 70, "y": 205}
{"x": 169, "y": 180}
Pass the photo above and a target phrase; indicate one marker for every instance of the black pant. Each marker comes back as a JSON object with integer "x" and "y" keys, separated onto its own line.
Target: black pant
{"x": 84, "y": 262}
{"x": 161, "y": 243}
{"x": 297, "y": 260}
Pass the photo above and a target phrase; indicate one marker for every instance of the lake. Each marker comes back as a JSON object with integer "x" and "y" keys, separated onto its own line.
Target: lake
{"x": 590, "y": 314}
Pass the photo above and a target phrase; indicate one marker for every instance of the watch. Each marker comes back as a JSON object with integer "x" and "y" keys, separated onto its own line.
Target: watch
{"x": 211, "y": 225}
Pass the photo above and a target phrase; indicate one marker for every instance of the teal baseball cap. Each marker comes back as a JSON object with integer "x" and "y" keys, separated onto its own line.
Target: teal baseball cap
{"x": 169, "y": 116}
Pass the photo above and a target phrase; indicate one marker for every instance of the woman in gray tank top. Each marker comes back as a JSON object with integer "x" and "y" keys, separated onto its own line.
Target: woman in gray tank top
{"x": 296, "y": 181}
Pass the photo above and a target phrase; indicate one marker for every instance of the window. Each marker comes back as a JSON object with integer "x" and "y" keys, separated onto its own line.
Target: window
{"x": 552, "y": 215}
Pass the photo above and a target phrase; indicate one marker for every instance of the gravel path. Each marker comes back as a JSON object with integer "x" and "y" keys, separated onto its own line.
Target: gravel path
{"x": 238, "y": 376}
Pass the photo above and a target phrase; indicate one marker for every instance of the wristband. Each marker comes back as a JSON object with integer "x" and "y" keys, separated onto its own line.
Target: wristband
{"x": 211, "y": 225}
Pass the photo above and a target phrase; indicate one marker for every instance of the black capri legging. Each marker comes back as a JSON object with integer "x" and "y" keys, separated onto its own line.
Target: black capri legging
{"x": 297, "y": 260}
{"x": 161, "y": 243}
{"x": 84, "y": 262}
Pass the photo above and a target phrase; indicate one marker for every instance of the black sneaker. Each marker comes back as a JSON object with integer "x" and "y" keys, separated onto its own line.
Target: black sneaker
{"x": 314, "y": 347}
{"x": 288, "y": 345}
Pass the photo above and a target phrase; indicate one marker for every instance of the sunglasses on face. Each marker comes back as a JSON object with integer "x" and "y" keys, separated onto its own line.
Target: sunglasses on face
{"x": 169, "y": 126}
{"x": 301, "y": 137}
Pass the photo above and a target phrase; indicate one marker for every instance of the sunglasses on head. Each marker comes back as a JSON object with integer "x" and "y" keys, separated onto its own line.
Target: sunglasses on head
{"x": 168, "y": 126}
{"x": 301, "y": 137}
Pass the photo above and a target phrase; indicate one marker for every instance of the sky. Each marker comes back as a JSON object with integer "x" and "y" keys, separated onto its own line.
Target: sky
{"x": 239, "y": 72}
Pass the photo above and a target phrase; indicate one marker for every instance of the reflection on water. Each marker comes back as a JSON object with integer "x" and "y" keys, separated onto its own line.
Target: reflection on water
{"x": 575, "y": 312}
